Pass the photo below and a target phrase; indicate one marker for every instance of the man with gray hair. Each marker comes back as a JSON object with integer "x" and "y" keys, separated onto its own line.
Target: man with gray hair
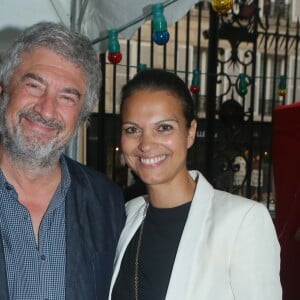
{"x": 59, "y": 220}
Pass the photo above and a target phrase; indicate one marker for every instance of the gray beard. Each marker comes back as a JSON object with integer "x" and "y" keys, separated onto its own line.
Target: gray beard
{"x": 29, "y": 152}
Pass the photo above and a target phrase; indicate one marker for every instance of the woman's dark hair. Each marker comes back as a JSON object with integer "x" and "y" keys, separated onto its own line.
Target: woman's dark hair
{"x": 160, "y": 80}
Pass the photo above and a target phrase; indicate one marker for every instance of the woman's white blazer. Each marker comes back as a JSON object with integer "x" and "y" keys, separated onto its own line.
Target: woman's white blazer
{"x": 228, "y": 249}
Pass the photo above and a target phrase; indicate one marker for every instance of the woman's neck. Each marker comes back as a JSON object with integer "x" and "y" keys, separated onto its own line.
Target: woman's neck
{"x": 172, "y": 194}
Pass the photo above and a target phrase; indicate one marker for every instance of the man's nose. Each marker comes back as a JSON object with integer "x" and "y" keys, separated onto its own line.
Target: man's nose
{"x": 47, "y": 104}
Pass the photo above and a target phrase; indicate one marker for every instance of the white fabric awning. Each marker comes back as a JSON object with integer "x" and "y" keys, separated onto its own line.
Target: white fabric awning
{"x": 96, "y": 17}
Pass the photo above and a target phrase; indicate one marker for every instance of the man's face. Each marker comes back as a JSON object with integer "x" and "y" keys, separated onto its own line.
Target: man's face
{"x": 45, "y": 97}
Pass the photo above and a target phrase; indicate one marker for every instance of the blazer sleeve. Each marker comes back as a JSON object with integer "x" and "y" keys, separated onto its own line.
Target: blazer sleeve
{"x": 255, "y": 259}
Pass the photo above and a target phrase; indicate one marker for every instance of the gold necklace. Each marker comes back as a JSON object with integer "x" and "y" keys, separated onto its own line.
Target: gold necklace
{"x": 138, "y": 248}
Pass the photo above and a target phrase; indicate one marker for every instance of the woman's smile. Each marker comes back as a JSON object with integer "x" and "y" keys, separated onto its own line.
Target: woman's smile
{"x": 153, "y": 160}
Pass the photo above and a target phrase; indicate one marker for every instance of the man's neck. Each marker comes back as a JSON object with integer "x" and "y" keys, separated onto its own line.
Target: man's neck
{"x": 25, "y": 176}
{"x": 35, "y": 187}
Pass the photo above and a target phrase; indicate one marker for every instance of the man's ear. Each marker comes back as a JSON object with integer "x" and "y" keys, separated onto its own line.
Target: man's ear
{"x": 1, "y": 89}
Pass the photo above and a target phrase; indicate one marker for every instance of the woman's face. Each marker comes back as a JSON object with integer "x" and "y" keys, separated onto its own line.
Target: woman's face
{"x": 155, "y": 138}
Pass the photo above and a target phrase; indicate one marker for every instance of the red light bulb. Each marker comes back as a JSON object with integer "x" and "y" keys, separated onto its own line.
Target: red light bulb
{"x": 194, "y": 89}
{"x": 114, "y": 58}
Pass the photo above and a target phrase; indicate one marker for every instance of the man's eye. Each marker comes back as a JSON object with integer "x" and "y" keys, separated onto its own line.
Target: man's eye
{"x": 32, "y": 85}
{"x": 68, "y": 99}
{"x": 33, "y": 88}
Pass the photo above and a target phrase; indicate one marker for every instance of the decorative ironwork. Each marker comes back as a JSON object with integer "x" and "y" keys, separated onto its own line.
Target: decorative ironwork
{"x": 233, "y": 156}
{"x": 232, "y": 149}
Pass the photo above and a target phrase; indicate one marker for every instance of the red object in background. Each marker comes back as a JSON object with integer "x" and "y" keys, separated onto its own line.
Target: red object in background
{"x": 114, "y": 58}
{"x": 286, "y": 162}
{"x": 194, "y": 89}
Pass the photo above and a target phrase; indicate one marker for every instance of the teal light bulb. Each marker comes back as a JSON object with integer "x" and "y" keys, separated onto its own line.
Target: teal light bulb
{"x": 160, "y": 29}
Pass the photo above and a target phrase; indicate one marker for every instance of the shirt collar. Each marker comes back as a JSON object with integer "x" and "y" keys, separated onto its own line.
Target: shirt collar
{"x": 61, "y": 190}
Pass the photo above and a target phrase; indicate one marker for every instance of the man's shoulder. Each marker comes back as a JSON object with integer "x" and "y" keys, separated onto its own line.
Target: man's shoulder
{"x": 92, "y": 185}
{"x": 82, "y": 173}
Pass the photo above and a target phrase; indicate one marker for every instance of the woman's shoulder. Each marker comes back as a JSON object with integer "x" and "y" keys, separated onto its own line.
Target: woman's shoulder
{"x": 237, "y": 209}
{"x": 222, "y": 202}
{"x": 235, "y": 200}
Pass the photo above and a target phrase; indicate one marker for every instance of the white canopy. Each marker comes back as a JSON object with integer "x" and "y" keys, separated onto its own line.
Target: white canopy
{"x": 92, "y": 17}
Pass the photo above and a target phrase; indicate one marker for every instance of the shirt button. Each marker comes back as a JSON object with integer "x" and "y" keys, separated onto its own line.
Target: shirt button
{"x": 43, "y": 257}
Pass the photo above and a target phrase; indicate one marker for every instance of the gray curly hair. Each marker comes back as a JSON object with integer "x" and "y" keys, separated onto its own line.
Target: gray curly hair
{"x": 73, "y": 46}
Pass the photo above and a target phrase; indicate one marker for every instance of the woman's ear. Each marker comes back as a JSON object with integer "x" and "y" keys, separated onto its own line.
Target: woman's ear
{"x": 1, "y": 89}
{"x": 192, "y": 134}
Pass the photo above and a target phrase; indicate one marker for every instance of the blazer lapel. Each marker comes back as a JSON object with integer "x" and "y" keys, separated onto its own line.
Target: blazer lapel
{"x": 191, "y": 240}
{"x": 180, "y": 285}
{"x": 78, "y": 248}
{"x": 134, "y": 209}
{"x": 73, "y": 240}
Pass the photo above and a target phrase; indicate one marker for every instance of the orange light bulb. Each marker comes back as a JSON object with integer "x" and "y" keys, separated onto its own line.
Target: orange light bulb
{"x": 221, "y": 6}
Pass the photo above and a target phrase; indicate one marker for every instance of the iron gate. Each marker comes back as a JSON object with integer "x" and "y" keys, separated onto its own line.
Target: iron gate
{"x": 248, "y": 63}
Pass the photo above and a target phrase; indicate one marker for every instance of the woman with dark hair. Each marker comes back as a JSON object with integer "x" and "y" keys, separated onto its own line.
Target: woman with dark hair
{"x": 185, "y": 240}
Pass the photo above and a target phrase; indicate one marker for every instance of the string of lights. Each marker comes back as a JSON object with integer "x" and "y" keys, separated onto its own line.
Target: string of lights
{"x": 242, "y": 79}
{"x": 205, "y": 73}
{"x": 134, "y": 22}
{"x": 161, "y": 37}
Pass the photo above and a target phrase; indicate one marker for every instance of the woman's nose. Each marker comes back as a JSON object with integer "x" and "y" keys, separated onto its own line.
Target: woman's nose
{"x": 146, "y": 141}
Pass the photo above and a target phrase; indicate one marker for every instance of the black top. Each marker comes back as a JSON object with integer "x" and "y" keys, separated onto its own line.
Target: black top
{"x": 160, "y": 240}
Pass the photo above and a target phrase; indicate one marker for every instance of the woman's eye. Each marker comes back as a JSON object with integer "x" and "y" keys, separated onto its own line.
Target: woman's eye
{"x": 165, "y": 127}
{"x": 131, "y": 130}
